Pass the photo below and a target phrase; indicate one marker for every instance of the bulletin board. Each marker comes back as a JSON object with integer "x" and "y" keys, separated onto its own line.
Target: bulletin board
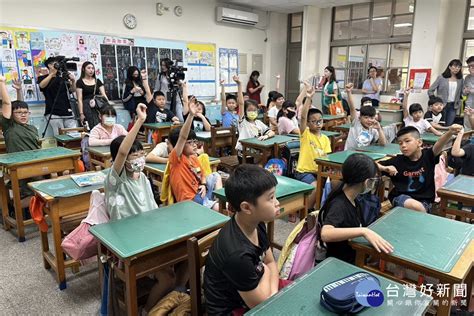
{"x": 24, "y": 50}
{"x": 228, "y": 65}
{"x": 420, "y": 78}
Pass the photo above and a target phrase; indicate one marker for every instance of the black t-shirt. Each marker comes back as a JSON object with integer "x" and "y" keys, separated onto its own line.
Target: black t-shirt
{"x": 88, "y": 91}
{"x": 155, "y": 115}
{"x": 198, "y": 124}
{"x": 468, "y": 160}
{"x": 430, "y": 117}
{"x": 341, "y": 213}
{"x": 233, "y": 264}
{"x": 62, "y": 106}
{"x": 414, "y": 178}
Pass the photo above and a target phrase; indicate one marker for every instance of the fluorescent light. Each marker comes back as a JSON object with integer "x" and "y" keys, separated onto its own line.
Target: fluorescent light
{"x": 402, "y": 25}
{"x": 381, "y": 18}
{"x": 471, "y": 18}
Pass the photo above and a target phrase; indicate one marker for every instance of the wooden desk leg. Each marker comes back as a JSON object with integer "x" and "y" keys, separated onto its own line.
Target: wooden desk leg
{"x": 45, "y": 249}
{"x": 221, "y": 206}
{"x": 244, "y": 154}
{"x": 131, "y": 290}
{"x": 304, "y": 211}
{"x": 4, "y": 198}
{"x": 319, "y": 189}
{"x": 20, "y": 227}
{"x": 56, "y": 225}
{"x": 443, "y": 205}
{"x": 360, "y": 260}
{"x": 444, "y": 310}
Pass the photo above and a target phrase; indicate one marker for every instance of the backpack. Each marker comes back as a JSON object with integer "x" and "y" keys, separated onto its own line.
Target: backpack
{"x": 290, "y": 152}
{"x": 369, "y": 207}
{"x": 85, "y": 153}
{"x": 276, "y": 166}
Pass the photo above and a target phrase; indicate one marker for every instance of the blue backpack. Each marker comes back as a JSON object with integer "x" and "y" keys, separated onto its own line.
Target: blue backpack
{"x": 276, "y": 166}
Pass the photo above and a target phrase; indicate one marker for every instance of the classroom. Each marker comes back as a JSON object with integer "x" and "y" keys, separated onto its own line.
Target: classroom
{"x": 231, "y": 157}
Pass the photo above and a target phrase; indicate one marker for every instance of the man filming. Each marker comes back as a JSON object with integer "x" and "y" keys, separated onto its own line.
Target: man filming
{"x": 56, "y": 96}
{"x": 163, "y": 84}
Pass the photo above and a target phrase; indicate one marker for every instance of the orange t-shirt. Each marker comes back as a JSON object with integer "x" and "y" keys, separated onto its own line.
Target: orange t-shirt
{"x": 185, "y": 176}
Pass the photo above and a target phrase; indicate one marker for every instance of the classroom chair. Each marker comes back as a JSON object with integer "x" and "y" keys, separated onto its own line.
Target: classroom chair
{"x": 197, "y": 254}
{"x": 222, "y": 137}
{"x": 63, "y": 131}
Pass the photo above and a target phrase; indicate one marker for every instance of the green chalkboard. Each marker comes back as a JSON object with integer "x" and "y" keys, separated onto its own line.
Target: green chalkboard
{"x": 139, "y": 233}
{"x": 387, "y": 149}
{"x": 432, "y": 241}
{"x": 303, "y": 296}
{"x": 462, "y": 184}
{"x": 34, "y": 155}
{"x": 278, "y": 139}
{"x": 341, "y": 156}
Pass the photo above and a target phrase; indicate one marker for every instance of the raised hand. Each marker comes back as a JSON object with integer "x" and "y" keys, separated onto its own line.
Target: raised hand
{"x": 2, "y": 78}
{"x": 349, "y": 87}
{"x": 236, "y": 79}
{"x": 16, "y": 84}
{"x": 141, "y": 111}
{"x": 221, "y": 82}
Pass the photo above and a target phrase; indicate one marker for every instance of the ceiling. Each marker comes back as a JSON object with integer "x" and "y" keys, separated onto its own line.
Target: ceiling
{"x": 290, "y": 6}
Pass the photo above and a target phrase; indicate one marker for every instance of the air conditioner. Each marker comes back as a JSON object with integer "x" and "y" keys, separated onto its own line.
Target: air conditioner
{"x": 236, "y": 16}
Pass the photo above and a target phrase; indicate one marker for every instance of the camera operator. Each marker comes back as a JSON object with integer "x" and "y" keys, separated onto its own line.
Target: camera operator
{"x": 163, "y": 84}
{"x": 52, "y": 85}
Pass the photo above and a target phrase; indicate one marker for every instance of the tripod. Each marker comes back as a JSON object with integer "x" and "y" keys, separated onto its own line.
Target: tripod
{"x": 175, "y": 91}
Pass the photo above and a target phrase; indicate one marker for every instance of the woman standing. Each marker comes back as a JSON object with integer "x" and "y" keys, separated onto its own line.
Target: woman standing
{"x": 330, "y": 90}
{"x": 372, "y": 86}
{"x": 448, "y": 87}
{"x": 254, "y": 88}
{"x": 87, "y": 87}
{"x": 134, "y": 92}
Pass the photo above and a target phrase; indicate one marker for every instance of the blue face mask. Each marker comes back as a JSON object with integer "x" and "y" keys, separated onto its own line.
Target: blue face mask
{"x": 110, "y": 120}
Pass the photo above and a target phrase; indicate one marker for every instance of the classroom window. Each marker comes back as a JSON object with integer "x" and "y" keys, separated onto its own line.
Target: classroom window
{"x": 372, "y": 34}
{"x": 468, "y": 37}
{"x": 296, "y": 27}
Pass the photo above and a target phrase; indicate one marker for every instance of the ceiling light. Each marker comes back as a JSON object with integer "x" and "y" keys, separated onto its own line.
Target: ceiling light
{"x": 381, "y": 18}
{"x": 402, "y": 25}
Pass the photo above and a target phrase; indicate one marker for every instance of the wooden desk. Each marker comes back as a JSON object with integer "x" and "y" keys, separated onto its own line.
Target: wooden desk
{"x": 101, "y": 158}
{"x": 330, "y": 166}
{"x": 162, "y": 129}
{"x": 262, "y": 150}
{"x": 25, "y": 165}
{"x": 292, "y": 195}
{"x": 431, "y": 245}
{"x": 387, "y": 149}
{"x": 460, "y": 189}
{"x": 303, "y": 296}
{"x": 63, "y": 198}
{"x": 429, "y": 138}
{"x": 333, "y": 120}
{"x": 153, "y": 240}
{"x": 344, "y": 128}
{"x": 67, "y": 141}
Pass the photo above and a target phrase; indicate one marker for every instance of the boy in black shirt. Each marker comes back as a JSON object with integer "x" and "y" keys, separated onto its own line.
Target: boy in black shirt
{"x": 435, "y": 114}
{"x": 466, "y": 153}
{"x": 240, "y": 269}
{"x": 412, "y": 173}
{"x": 156, "y": 111}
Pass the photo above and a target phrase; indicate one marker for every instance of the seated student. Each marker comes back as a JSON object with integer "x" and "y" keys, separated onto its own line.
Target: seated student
{"x": 435, "y": 114}
{"x": 229, "y": 105}
{"x": 160, "y": 153}
{"x": 365, "y": 129}
{"x": 200, "y": 121}
{"x": 275, "y": 102}
{"x": 413, "y": 116}
{"x": 156, "y": 111}
{"x": 287, "y": 122}
{"x": 108, "y": 129}
{"x": 187, "y": 179}
{"x": 341, "y": 214}
{"x": 412, "y": 172}
{"x": 240, "y": 268}
{"x": 313, "y": 145}
{"x": 466, "y": 153}
{"x": 364, "y": 101}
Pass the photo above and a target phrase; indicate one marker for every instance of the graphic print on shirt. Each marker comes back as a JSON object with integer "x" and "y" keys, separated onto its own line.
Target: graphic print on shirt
{"x": 416, "y": 179}
{"x": 160, "y": 117}
{"x": 364, "y": 138}
{"x": 198, "y": 126}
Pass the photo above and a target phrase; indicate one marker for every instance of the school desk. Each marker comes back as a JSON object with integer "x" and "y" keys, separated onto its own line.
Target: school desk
{"x": 391, "y": 115}
{"x": 431, "y": 245}
{"x": 101, "y": 158}
{"x": 162, "y": 129}
{"x": 28, "y": 164}
{"x": 292, "y": 195}
{"x": 205, "y": 138}
{"x": 344, "y": 128}
{"x": 429, "y": 138}
{"x": 68, "y": 141}
{"x": 152, "y": 240}
{"x": 303, "y": 296}
{"x": 262, "y": 150}
{"x": 387, "y": 149}
{"x": 333, "y": 120}
{"x": 330, "y": 167}
{"x": 63, "y": 199}
{"x": 460, "y": 189}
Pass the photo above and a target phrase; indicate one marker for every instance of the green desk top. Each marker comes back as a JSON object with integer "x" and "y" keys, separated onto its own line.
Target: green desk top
{"x": 158, "y": 125}
{"x": 286, "y": 187}
{"x": 327, "y": 133}
{"x": 162, "y": 166}
{"x": 461, "y": 184}
{"x": 347, "y": 126}
{"x": 66, "y": 138}
{"x": 303, "y": 296}
{"x": 101, "y": 150}
{"x": 136, "y": 234}
{"x": 429, "y": 138}
{"x": 34, "y": 155}
{"x": 203, "y": 136}
{"x": 388, "y": 149}
{"x": 327, "y": 117}
{"x": 341, "y": 156}
{"x": 390, "y": 110}
{"x": 428, "y": 240}
{"x": 279, "y": 139}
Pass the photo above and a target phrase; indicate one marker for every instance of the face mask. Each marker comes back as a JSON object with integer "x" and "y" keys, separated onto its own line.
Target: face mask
{"x": 369, "y": 187}
{"x": 290, "y": 114}
{"x": 252, "y": 115}
{"x": 110, "y": 120}
{"x": 135, "y": 165}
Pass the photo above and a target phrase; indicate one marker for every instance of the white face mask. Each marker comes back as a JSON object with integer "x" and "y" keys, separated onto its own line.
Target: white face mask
{"x": 371, "y": 183}
{"x": 110, "y": 120}
{"x": 135, "y": 165}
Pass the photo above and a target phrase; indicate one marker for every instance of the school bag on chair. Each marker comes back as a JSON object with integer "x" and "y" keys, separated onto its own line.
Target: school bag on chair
{"x": 290, "y": 152}
{"x": 276, "y": 166}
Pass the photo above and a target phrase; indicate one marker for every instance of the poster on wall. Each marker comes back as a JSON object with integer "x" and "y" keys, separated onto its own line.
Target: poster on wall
{"x": 109, "y": 71}
{"x": 420, "y": 78}
{"x": 201, "y": 63}
{"x": 123, "y": 62}
{"x": 228, "y": 65}
{"x": 152, "y": 65}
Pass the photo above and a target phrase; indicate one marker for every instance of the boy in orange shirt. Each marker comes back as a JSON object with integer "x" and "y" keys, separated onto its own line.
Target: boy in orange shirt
{"x": 187, "y": 180}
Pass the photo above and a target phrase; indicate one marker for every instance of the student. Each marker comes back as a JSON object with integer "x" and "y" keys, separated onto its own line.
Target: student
{"x": 372, "y": 86}
{"x": 276, "y": 101}
{"x": 466, "y": 153}
{"x": 414, "y": 117}
{"x": 435, "y": 114}
{"x": 412, "y": 172}
{"x": 160, "y": 153}
{"x": 156, "y": 108}
{"x": 200, "y": 121}
{"x": 287, "y": 122}
{"x": 249, "y": 126}
{"x": 108, "y": 129}
{"x": 364, "y": 101}
{"x": 341, "y": 214}
{"x": 313, "y": 145}
{"x": 240, "y": 268}
{"x": 187, "y": 179}
{"x": 365, "y": 129}
{"x": 229, "y": 104}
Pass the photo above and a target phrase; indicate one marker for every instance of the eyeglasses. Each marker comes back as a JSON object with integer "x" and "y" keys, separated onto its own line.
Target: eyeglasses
{"x": 21, "y": 113}
{"x": 316, "y": 122}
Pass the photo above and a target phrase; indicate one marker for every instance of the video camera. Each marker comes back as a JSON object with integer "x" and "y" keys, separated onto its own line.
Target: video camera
{"x": 176, "y": 73}
{"x": 63, "y": 65}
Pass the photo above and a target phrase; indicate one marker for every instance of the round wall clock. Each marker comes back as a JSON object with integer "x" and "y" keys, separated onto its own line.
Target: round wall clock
{"x": 130, "y": 21}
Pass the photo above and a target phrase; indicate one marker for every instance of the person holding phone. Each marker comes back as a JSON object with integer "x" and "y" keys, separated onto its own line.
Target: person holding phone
{"x": 469, "y": 92}
{"x": 372, "y": 86}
